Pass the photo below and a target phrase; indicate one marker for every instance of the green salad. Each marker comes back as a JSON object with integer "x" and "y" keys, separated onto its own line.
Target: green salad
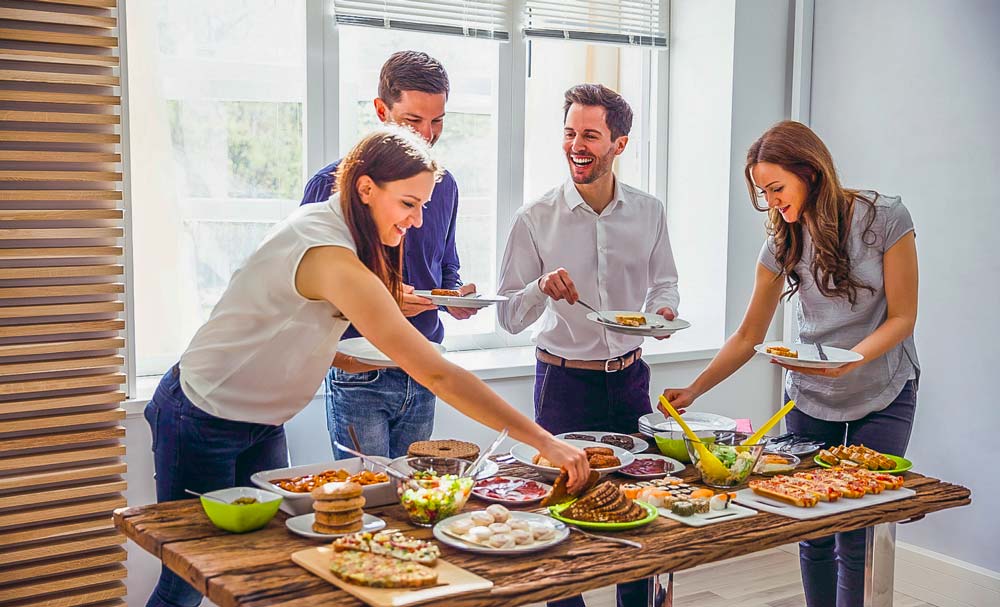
{"x": 437, "y": 498}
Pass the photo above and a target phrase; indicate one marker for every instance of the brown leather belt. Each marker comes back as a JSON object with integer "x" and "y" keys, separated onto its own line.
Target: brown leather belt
{"x": 611, "y": 365}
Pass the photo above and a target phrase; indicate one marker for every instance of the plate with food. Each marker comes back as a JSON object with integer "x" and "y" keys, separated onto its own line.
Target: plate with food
{"x": 807, "y": 355}
{"x": 775, "y": 463}
{"x": 306, "y": 526}
{"x": 497, "y": 530}
{"x": 603, "y": 506}
{"x": 651, "y": 465}
{"x": 615, "y": 439}
{"x": 564, "y": 512}
{"x": 603, "y": 458}
{"x": 510, "y": 490}
{"x": 637, "y": 323}
{"x": 452, "y": 299}
{"x": 295, "y": 484}
{"x": 362, "y": 350}
{"x": 859, "y": 456}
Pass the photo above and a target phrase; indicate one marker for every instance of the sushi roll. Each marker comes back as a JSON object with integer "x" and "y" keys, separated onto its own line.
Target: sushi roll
{"x": 682, "y": 508}
{"x": 701, "y": 505}
{"x": 720, "y": 501}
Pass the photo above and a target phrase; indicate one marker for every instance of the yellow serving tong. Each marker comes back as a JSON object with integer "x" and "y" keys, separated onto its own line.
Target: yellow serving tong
{"x": 759, "y": 434}
{"x": 709, "y": 461}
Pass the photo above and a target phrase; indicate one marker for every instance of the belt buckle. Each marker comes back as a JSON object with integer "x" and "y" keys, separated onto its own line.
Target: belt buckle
{"x": 607, "y": 365}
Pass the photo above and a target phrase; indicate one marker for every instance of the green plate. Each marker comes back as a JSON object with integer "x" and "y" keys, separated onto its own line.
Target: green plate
{"x": 651, "y": 514}
{"x": 902, "y": 464}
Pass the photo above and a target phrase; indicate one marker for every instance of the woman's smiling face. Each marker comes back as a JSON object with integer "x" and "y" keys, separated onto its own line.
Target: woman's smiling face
{"x": 396, "y": 206}
{"x": 782, "y": 189}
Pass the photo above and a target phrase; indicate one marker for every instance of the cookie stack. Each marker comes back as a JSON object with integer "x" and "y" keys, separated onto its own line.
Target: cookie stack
{"x": 338, "y": 508}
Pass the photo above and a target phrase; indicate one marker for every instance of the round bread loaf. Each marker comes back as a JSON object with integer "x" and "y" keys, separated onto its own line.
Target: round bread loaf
{"x": 333, "y": 529}
{"x": 336, "y": 491}
{"x": 444, "y": 448}
{"x": 351, "y": 503}
{"x": 333, "y": 519}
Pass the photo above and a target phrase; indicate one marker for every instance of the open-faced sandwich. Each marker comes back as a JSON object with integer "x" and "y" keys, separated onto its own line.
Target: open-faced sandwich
{"x": 859, "y": 455}
{"x": 384, "y": 560}
{"x": 806, "y": 489}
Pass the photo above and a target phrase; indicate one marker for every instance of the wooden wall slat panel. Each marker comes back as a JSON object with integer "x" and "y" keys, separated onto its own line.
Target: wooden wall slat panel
{"x": 61, "y": 304}
{"x": 25, "y": 481}
{"x": 60, "y": 565}
{"x": 61, "y": 402}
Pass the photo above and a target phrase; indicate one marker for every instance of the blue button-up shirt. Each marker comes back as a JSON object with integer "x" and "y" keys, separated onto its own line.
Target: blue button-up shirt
{"x": 430, "y": 260}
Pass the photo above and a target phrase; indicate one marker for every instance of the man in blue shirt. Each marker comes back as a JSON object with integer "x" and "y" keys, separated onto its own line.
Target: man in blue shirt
{"x": 387, "y": 408}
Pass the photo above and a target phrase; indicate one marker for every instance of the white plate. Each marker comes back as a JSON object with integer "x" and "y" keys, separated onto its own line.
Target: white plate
{"x": 844, "y": 504}
{"x": 472, "y": 300}
{"x": 303, "y": 525}
{"x": 697, "y": 420}
{"x": 677, "y": 467}
{"x": 379, "y": 494}
{"x": 511, "y": 502}
{"x": 809, "y": 356}
{"x": 445, "y": 537}
{"x": 638, "y": 445}
{"x": 365, "y": 352}
{"x": 523, "y": 453}
{"x": 656, "y": 325}
{"x": 733, "y": 512}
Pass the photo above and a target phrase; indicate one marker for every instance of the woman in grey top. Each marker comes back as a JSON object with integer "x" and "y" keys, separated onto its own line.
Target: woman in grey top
{"x": 851, "y": 258}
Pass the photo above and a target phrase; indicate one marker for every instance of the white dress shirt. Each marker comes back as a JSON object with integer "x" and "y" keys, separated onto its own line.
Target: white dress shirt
{"x": 618, "y": 260}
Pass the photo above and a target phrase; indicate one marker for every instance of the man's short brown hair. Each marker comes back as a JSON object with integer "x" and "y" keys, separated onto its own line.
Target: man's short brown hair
{"x": 411, "y": 71}
{"x": 617, "y": 113}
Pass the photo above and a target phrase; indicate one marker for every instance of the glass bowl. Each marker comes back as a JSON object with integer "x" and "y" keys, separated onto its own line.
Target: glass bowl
{"x": 439, "y": 487}
{"x": 737, "y": 460}
{"x": 671, "y": 443}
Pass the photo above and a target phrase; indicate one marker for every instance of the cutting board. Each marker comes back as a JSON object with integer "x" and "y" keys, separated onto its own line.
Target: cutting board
{"x": 452, "y": 580}
{"x": 748, "y": 498}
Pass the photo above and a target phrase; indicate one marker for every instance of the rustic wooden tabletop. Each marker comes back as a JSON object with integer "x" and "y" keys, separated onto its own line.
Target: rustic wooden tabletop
{"x": 255, "y": 569}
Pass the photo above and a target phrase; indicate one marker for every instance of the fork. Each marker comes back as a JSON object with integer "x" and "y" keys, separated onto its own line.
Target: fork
{"x": 596, "y": 311}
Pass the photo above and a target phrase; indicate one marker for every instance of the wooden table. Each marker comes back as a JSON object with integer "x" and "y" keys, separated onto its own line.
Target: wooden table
{"x": 254, "y": 570}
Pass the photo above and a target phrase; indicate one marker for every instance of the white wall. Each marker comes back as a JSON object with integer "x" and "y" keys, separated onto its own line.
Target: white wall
{"x": 905, "y": 96}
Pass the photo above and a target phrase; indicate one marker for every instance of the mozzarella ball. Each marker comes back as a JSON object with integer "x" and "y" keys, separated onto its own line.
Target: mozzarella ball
{"x": 482, "y": 517}
{"x": 499, "y": 513}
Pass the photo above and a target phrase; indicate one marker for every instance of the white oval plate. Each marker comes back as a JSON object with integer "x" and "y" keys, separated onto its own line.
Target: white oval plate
{"x": 678, "y": 467}
{"x": 638, "y": 445}
{"x": 523, "y": 453}
{"x": 809, "y": 356}
{"x": 656, "y": 325}
{"x": 365, "y": 352}
{"x": 695, "y": 419}
{"x": 303, "y": 525}
{"x": 472, "y": 300}
{"x": 446, "y": 537}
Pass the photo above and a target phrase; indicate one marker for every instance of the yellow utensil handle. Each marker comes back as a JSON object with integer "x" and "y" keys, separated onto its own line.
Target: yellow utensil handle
{"x": 756, "y": 436}
{"x": 677, "y": 418}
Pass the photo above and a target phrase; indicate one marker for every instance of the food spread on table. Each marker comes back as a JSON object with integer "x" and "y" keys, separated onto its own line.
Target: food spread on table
{"x": 496, "y": 527}
{"x": 308, "y": 482}
{"x": 806, "y": 489}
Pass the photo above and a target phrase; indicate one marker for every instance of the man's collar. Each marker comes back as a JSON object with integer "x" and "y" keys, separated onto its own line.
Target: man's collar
{"x": 573, "y": 198}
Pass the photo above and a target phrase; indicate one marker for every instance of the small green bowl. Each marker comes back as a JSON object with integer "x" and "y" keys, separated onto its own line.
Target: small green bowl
{"x": 672, "y": 444}
{"x": 240, "y": 518}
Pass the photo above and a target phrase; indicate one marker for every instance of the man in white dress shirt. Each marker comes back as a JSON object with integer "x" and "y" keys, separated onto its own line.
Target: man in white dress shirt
{"x": 597, "y": 239}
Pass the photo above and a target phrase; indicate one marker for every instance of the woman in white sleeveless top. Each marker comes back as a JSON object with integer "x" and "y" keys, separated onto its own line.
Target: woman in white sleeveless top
{"x": 851, "y": 257}
{"x": 217, "y": 416}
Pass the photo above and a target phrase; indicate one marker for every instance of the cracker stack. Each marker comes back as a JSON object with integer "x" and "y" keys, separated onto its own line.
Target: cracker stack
{"x": 338, "y": 508}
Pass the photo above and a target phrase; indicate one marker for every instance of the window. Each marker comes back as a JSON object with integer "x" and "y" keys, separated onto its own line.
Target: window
{"x": 221, "y": 142}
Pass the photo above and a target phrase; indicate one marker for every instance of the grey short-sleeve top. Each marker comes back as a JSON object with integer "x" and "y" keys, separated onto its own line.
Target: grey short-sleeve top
{"x": 834, "y": 322}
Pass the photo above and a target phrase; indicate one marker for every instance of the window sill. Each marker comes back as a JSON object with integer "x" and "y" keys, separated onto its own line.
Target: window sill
{"x": 503, "y": 363}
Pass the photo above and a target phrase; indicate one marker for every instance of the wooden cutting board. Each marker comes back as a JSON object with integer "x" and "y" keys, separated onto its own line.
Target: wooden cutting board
{"x": 452, "y": 580}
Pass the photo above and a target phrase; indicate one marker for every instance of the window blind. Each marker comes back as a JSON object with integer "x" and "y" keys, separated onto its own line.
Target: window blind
{"x": 469, "y": 18}
{"x": 638, "y": 22}
{"x": 61, "y": 304}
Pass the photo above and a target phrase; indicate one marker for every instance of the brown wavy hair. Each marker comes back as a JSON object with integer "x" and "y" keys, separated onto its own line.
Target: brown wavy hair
{"x": 826, "y": 212}
{"x": 389, "y": 153}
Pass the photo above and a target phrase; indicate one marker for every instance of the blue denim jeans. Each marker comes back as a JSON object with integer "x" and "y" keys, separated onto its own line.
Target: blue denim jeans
{"x": 388, "y": 409}
{"x": 833, "y": 567}
{"x": 197, "y": 451}
{"x": 567, "y": 400}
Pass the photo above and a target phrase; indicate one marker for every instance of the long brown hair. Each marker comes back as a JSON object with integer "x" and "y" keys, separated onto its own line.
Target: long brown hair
{"x": 826, "y": 212}
{"x": 389, "y": 153}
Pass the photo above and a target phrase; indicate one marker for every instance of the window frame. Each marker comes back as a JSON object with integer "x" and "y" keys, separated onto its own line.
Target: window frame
{"x": 320, "y": 136}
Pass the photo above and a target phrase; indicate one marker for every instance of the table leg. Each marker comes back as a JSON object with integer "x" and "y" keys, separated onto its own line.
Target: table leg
{"x": 880, "y": 560}
{"x": 660, "y": 595}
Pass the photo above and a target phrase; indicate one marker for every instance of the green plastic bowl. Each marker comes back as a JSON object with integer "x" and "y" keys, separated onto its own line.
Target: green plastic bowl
{"x": 672, "y": 444}
{"x": 240, "y": 518}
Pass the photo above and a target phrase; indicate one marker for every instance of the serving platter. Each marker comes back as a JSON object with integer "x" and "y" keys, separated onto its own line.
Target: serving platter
{"x": 675, "y": 466}
{"x": 365, "y": 352}
{"x": 443, "y": 534}
{"x": 295, "y": 503}
{"x": 732, "y": 512}
{"x": 472, "y": 300}
{"x": 747, "y": 497}
{"x": 651, "y": 514}
{"x": 902, "y": 464}
{"x": 809, "y": 355}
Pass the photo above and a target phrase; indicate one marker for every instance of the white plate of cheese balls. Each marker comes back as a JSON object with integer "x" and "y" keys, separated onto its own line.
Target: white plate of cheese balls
{"x": 497, "y": 530}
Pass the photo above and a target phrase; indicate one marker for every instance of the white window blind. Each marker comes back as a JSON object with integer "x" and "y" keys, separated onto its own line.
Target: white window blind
{"x": 470, "y": 18}
{"x": 640, "y": 22}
